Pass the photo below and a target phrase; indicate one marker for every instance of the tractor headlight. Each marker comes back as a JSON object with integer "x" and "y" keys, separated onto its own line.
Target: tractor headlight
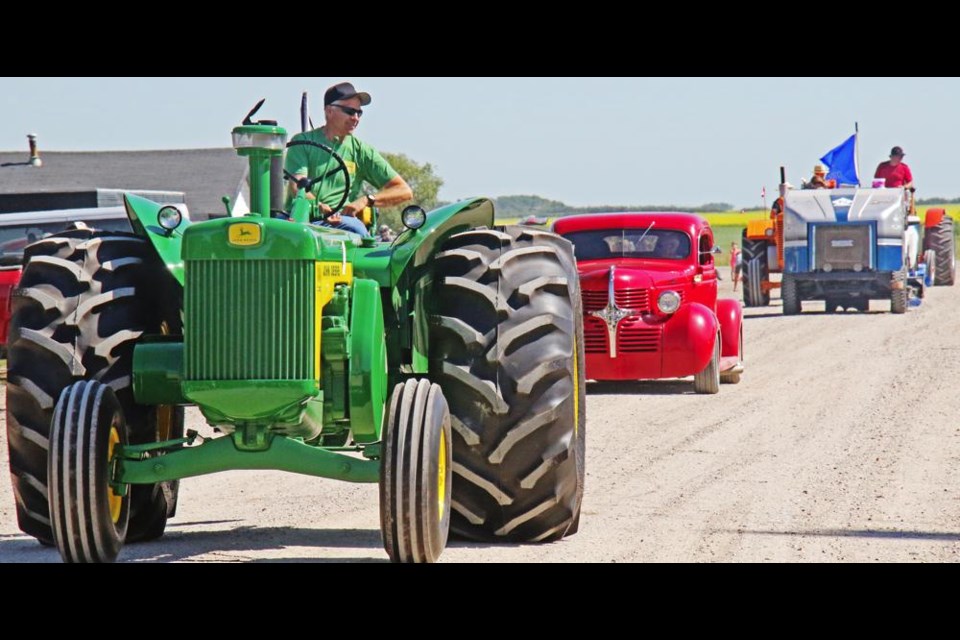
{"x": 413, "y": 217}
{"x": 169, "y": 217}
{"x": 668, "y": 302}
{"x": 827, "y": 267}
{"x": 246, "y": 139}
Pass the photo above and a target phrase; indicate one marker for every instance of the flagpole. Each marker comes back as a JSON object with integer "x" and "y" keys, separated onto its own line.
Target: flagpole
{"x": 856, "y": 150}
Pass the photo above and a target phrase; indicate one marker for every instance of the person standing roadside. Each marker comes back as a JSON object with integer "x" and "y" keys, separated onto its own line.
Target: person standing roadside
{"x": 736, "y": 264}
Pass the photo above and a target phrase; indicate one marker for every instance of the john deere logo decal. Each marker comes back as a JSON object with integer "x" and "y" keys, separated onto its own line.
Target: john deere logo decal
{"x": 244, "y": 234}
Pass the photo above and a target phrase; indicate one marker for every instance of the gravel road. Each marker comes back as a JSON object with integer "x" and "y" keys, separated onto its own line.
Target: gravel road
{"x": 841, "y": 444}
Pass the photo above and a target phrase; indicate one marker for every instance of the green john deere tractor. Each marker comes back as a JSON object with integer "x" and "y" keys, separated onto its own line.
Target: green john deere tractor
{"x": 447, "y": 366}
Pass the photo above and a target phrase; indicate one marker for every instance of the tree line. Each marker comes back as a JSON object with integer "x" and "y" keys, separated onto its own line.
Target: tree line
{"x": 426, "y": 184}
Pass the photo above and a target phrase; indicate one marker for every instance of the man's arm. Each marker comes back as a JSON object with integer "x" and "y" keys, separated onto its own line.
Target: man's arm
{"x": 395, "y": 191}
{"x": 907, "y": 177}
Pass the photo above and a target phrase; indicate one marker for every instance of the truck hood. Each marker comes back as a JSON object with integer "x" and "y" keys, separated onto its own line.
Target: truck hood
{"x": 641, "y": 274}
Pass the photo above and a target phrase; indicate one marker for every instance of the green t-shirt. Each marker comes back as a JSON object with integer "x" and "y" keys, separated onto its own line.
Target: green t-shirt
{"x": 364, "y": 163}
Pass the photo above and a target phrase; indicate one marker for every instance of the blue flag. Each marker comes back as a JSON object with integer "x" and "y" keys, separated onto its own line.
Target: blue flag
{"x": 842, "y": 161}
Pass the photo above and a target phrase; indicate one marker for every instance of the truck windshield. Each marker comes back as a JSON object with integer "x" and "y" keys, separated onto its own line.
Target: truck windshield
{"x": 600, "y": 244}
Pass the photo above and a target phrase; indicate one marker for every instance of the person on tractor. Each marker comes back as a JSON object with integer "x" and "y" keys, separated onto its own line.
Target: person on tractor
{"x": 342, "y": 111}
{"x": 895, "y": 171}
{"x": 819, "y": 179}
{"x": 777, "y": 207}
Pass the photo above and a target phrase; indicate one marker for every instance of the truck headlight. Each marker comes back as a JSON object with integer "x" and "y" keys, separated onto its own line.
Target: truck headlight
{"x": 668, "y": 302}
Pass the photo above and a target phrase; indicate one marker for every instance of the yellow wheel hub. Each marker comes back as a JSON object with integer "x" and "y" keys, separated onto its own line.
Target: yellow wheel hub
{"x": 442, "y": 475}
{"x": 113, "y": 500}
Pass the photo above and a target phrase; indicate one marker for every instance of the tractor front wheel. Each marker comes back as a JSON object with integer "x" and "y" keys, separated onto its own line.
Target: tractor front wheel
{"x": 416, "y": 473}
{"x": 88, "y": 517}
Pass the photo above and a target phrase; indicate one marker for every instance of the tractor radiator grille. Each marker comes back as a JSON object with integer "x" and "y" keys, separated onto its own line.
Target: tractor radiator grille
{"x": 842, "y": 247}
{"x": 249, "y": 320}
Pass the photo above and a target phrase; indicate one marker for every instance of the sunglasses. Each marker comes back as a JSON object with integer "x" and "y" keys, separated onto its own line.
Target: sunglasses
{"x": 350, "y": 111}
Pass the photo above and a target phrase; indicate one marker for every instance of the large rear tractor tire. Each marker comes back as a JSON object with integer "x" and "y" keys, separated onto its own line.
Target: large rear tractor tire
{"x": 941, "y": 239}
{"x": 756, "y": 271}
{"x": 416, "y": 473}
{"x": 84, "y": 299}
{"x": 506, "y": 345}
{"x": 89, "y": 519}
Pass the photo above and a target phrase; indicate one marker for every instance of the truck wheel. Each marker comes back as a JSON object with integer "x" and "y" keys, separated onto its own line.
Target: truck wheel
{"x": 506, "y": 345}
{"x": 88, "y": 519}
{"x": 734, "y": 378}
{"x": 416, "y": 473}
{"x": 790, "y": 295}
{"x": 77, "y": 313}
{"x": 898, "y": 297}
{"x": 708, "y": 380}
{"x": 755, "y": 272}
{"x": 941, "y": 239}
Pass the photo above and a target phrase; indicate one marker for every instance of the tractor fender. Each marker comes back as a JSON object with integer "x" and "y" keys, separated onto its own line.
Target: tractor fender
{"x": 730, "y": 316}
{"x": 416, "y": 247}
{"x": 688, "y": 340}
{"x": 368, "y": 362}
{"x": 167, "y": 244}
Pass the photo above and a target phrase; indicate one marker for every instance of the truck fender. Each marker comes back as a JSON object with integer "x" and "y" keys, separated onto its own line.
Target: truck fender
{"x": 730, "y": 316}
{"x": 688, "y": 340}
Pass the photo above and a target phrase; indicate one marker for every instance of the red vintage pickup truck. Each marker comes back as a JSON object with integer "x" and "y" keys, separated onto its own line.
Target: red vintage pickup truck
{"x": 17, "y": 230}
{"x": 649, "y": 286}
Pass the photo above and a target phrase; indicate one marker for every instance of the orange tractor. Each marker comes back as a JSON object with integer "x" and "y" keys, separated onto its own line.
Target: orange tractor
{"x": 762, "y": 252}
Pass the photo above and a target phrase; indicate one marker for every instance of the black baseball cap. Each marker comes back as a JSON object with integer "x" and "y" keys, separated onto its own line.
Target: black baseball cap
{"x": 896, "y": 151}
{"x": 344, "y": 91}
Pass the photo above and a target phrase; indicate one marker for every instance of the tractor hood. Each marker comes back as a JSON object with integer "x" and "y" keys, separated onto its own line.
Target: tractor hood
{"x": 886, "y": 207}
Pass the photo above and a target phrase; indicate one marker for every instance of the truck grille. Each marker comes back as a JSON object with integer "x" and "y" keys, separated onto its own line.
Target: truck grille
{"x": 636, "y": 299}
{"x": 633, "y": 336}
{"x": 637, "y": 337}
{"x": 249, "y": 320}
{"x": 842, "y": 247}
{"x": 594, "y": 335}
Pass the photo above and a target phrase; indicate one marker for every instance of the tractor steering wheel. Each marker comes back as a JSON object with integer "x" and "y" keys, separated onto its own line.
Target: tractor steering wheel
{"x": 308, "y": 183}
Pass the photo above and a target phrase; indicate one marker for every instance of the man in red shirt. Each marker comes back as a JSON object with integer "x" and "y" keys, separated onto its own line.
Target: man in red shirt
{"x": 894, "y": 171}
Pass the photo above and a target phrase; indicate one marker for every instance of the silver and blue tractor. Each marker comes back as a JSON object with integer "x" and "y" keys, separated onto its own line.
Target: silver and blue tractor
{"x": 849, "y": 246}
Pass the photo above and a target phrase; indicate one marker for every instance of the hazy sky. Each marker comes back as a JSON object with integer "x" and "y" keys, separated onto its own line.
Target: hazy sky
{"x": 584, "y": 141}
